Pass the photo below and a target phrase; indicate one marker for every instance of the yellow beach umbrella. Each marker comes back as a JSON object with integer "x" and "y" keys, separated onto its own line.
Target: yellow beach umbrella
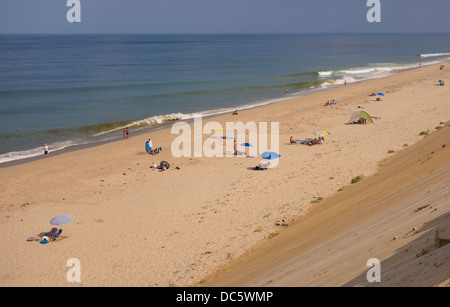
{"x": 321, "y": 133}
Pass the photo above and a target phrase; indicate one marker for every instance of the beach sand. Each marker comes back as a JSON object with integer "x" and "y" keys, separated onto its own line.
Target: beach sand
{"x": 399, "y": 216}
{"x": 135, "y": 226}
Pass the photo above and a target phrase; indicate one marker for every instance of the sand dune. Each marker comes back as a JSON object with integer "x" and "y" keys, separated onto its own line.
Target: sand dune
{"x": 135, "y": 226}
{"x": 400, "y": 215}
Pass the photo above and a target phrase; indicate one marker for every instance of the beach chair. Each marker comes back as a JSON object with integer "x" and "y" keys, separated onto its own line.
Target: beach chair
{"x": 51, "y": 232}
{"x": 53, "y": 238}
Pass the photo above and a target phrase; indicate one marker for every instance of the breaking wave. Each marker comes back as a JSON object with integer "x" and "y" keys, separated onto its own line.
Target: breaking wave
{"x": 431, "y": 55}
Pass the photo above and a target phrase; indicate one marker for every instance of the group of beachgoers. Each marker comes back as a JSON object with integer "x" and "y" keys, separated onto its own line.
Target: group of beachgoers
{"x": 329, "y": 103}
{"x": 125, "y": 133}
{"x": 163, "y": 165}
{"x": 308, "y": 141}
{"x": 149, "y": 148}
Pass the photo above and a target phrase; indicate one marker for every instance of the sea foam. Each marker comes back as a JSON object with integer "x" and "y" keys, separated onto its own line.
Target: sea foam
{"x": 430, "y": 55}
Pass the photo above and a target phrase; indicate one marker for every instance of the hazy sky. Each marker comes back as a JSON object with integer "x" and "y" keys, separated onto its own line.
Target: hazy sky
{"x": 223, "y": 16}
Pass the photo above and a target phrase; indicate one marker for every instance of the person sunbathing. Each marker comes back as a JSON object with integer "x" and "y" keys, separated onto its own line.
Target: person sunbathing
{"x": 292, "y": 140}
{"x": 162, "y": 166}
{"x": 156, "y": 150}
{"x": 262, "y": 166}
{"x": 155, "y": 166}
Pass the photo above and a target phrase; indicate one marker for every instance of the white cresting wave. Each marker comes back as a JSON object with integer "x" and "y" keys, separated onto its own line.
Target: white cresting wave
{"x": 431, "y": 55}
{"x": 330, "y": 78}
{"x": 373, "y": 70}
{"x": 34, "y": 152}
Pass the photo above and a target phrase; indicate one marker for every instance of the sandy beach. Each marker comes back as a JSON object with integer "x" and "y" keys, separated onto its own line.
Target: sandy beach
{"x": 217, "y": 222}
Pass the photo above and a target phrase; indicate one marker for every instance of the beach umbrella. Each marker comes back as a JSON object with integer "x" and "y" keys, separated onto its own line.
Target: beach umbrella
{"x": 269, "y": 155}
{"x": 321, "y": 133}
{"x": 246, "y": 144}
{"x": 60, "y": 220}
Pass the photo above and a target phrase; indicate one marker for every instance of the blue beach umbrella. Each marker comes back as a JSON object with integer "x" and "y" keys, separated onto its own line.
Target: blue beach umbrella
{"x": 60, "y": 220}
{"x": 269, "y": 155}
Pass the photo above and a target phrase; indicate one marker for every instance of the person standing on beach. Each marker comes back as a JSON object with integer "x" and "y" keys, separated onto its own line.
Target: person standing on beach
{"x": 126, "y": 131}
{"x": 45, "y": 150}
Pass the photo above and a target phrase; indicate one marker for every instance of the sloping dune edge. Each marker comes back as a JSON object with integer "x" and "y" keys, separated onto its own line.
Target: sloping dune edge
{"x": 397, "y": 216}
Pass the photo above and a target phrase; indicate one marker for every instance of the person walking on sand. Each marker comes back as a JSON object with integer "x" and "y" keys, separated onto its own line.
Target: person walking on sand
{"x": 45, "y": 150}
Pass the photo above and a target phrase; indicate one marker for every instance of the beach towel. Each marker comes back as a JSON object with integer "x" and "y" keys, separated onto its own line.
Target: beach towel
{"x": 59, "y": 238}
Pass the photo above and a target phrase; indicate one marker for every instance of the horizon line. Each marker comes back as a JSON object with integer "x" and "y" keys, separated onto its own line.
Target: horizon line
{"x": 231, "y": 33}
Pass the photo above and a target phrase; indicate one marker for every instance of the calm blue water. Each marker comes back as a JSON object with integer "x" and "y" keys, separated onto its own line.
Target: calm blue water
{"x": 66, "y": 89}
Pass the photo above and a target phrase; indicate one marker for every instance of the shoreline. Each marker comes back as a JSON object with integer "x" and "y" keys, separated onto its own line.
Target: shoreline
{"x": 178, "y": 226}
{"x": 167, "y": 124}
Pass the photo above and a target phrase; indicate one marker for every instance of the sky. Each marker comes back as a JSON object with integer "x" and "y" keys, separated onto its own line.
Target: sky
{"x": 223, "y": 16}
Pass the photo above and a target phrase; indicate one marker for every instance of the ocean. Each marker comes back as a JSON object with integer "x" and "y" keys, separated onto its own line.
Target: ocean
{"x": 72, "y": 90}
